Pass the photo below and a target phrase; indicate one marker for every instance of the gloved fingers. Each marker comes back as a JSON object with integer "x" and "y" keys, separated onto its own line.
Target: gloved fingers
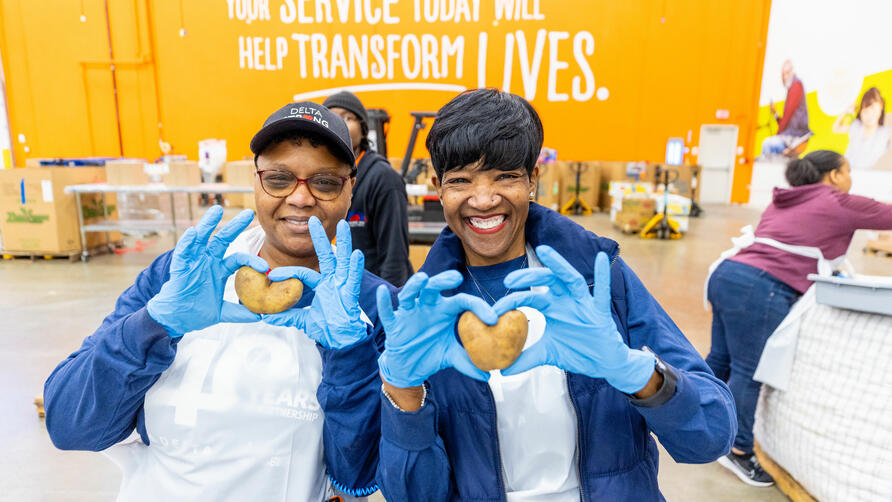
{"x": 354, "y": 277}
{"x": 233, "y": 312}
{"x": 183, "y": 252}
{"x": 461, "y": 302}
{"x": 322, "y": 245}
{"x": 385, "y": 308}
{"x": 436, "y": 284}
{"x": 562, "y": 269}
{"x": 533, "y": 299}
{"x": 223, "y": 238}
{"x": 309, "y": 277}
{"x": 531, "y": 277}
{"x": 410, "y": 290}
{"x": 532, "y": 357}
{"x": 601, "y": 293}
{"x": 294, "y": 318}
{"x": 206, "y": 225}
{"x": 458, "y": 359}
{"x": 237, "y": 260}
{"x": 343, "y": 249}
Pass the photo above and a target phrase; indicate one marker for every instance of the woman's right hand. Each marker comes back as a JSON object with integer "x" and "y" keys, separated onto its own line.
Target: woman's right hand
{"x": 192, "y": 298}
{"x": 420, "y": 333}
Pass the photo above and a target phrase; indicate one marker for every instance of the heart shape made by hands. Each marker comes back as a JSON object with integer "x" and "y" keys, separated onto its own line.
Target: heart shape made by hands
{"x": 493, "y": 347}
{"x": 261, "y": 296}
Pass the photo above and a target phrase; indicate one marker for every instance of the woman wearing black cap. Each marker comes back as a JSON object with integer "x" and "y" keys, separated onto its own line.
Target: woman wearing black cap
{"x": 216, "y": 404}
{"x": 378, "y": 214}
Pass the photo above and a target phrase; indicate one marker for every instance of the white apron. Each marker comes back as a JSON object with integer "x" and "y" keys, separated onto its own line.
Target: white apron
{"x": 235, "y": 417}
{"x": 536, "y": 425}
{"x": 776, "y": 363}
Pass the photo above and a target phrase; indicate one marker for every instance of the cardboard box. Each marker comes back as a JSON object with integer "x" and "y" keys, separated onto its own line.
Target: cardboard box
{"x": 126, "y": 172}
{"x": 184, "y": 173}
{"x": 589, "y": 181}
{"x": 239, "y": 173}
{"x": 636, "y": 211}
{"x": 549, "y": 191}
{"x": 683, "y": 185}
{"x": 38, "y": 216}
{"x": 610, "y": 171}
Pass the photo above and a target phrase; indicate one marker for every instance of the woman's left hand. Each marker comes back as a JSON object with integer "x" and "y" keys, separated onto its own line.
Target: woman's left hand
{"x": 580, "y": 335}
{"x": 333, "y": 319}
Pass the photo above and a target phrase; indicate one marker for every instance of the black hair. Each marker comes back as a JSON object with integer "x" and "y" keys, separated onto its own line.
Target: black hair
{"x": 316, "y": 140}
{"x": 501, "y": 130}
{"x": 364, "y": 130}
{"x": 813, "y": 167}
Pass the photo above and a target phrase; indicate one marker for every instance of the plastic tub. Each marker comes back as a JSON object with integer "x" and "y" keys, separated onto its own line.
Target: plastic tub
{"x": 863, "y": 293}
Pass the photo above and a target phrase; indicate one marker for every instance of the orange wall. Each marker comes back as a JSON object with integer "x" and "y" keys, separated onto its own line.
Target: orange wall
{"x": 668, "y": 66}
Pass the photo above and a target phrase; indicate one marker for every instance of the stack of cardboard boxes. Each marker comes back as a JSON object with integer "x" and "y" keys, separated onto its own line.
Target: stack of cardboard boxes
{"x": 37, "y": 216}
{"x": 632, "y": 203}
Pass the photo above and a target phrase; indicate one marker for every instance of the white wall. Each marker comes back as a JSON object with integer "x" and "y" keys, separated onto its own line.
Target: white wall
{"x": 833, "y": 44}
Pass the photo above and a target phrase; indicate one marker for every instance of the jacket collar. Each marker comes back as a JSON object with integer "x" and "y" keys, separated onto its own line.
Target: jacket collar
{"x": 543, "y": 226}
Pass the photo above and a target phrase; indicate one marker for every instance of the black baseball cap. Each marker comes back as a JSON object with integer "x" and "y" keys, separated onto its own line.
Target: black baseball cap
{"x": 310, "y": 117}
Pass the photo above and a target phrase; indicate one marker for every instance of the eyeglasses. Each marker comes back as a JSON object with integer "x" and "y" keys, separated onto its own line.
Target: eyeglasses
{"x": 281, "y": 184}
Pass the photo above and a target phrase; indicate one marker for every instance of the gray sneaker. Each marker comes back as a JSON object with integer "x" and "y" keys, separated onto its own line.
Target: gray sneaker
{"x": 747, "y": 468}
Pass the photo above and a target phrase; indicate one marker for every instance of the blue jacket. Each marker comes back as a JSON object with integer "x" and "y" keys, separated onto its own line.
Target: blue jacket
{"x": 94, "y": 399}
{"x": 448, "y": 450}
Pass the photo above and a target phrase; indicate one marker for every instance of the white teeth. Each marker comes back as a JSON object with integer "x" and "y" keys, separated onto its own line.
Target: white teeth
{"x": 487, "y": 223}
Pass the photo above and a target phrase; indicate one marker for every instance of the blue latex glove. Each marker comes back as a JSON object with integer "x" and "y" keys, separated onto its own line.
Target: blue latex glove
{"x": 421, "y": 333}
{"x": 192, "y": 298}
{"x": 580, "y": 335}
{"x": 333, "y": 318}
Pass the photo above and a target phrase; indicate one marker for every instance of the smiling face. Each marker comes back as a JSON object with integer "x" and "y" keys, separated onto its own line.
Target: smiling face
{"x": 487, "y": 210}
{"x": 870, "y": 115}
{"x": 284, "y": 220}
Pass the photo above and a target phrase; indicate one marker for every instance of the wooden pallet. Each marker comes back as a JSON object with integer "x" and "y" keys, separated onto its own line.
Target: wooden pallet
{"x": 66, "y": 255}
{"x": 786, "y": 483}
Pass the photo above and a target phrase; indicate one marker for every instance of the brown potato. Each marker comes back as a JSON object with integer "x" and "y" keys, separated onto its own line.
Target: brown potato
{"x": 493, "y": 347}
{"x": 260, "y": 296}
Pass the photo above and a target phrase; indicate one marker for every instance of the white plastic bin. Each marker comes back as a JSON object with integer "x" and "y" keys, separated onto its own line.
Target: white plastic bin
{"x": 862, "y": 293}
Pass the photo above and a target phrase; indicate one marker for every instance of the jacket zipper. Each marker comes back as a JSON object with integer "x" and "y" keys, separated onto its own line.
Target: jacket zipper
{"x": 578, "y": 441}
{"x": 495, "y": 424}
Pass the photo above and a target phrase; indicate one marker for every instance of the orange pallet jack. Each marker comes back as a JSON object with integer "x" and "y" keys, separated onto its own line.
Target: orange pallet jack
{"x": 576, "y": 205}
{"x": 661, "y": 226}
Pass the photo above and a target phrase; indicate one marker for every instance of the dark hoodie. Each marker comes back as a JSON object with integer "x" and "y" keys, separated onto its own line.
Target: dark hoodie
{"x": 379, "y": 220}
{"x": 815, "y": 215}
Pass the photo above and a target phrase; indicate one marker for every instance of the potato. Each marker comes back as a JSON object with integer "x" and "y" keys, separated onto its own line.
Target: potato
{"x": 260, "y": 296}
{"x": 493, "y": 347}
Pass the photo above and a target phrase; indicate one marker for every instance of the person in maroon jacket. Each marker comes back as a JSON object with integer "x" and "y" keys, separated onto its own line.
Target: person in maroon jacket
{"x": 751, "y": 292}
{"x": 792, "y": 128}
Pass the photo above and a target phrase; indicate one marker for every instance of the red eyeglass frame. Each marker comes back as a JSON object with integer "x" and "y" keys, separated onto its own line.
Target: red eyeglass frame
{"x": 260, "y": 172}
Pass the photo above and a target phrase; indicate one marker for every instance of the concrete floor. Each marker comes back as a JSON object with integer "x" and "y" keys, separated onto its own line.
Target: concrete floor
{"x": 48, "y": 307}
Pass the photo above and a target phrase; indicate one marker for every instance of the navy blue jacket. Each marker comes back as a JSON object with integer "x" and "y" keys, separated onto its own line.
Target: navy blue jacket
{"x": 448, "y": 450}
{"x": 94, "y": 399}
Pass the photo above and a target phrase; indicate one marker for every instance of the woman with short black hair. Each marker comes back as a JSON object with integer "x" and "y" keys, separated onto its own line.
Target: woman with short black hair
{"x": 572, "y": 417}
{"x": 752, "y": 291}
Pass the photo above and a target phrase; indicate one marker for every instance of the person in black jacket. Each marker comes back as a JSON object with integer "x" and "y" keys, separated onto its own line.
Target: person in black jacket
{"x": 378, "y": 214}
